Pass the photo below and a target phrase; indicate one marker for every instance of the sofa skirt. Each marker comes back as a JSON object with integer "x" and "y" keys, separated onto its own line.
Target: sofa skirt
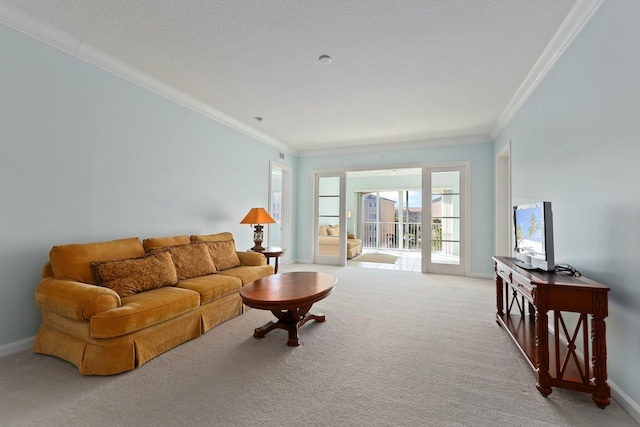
{"x": 69, "y": 339}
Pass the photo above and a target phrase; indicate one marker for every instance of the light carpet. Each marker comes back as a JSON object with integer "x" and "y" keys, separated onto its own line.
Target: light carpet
{"x": 397, "y": 349}
{"x": 374, "y": 257}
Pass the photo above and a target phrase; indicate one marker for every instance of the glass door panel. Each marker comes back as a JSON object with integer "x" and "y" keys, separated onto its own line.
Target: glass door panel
{"x": 445, "y": 212}
{"x": 412, "y": 220}
{"x": 329, "y": 208}
{"x": 330, "y": 241}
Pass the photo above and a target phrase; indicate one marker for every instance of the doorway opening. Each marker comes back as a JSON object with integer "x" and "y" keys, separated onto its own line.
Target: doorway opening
{"x": 384, "y": 213}
{"x": 280, "y": 209}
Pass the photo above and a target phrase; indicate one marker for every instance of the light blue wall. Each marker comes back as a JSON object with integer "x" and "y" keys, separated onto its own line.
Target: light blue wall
{"x": 576, "y": 142}
{"x": 88, "y": 156}
{"x": 481, "y": 192}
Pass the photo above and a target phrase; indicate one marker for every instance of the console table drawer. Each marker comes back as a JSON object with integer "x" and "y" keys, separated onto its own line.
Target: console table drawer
{"x": 526, "y": 289}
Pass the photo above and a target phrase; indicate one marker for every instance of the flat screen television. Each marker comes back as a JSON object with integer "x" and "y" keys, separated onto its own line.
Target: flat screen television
{"x": 533, "y": 229}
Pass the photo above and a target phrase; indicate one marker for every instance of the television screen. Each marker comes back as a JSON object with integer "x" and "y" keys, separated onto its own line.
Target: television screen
{"x": 534, "y": 235}
{"x": 529, "y": 227}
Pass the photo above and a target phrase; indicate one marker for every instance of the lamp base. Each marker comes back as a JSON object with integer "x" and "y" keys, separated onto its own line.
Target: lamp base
{"x": 258, "y": 247}
{"x": 257, "y": 239}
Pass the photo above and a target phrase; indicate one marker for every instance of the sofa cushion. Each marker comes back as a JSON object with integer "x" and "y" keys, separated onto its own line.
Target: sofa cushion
{"x": 192, "y": 260}
{"x": 212, "y": 286}
{"x": 73, "y": 261}
{"x": 352, "y": 243}
{"x": 131, "y": 276}
{"x": 157, "y": 242}
{"x": 328, "y": 240}
{"x": 142, "y": 310}
{"x": 224, "y": 254}
{"x": 249, "y": 273}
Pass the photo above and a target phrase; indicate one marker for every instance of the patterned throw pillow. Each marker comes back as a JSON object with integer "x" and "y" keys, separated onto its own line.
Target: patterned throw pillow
{"x": 192, "y": 260}
{"x": 131, "y": 276}
{"x": 224, "y": 254}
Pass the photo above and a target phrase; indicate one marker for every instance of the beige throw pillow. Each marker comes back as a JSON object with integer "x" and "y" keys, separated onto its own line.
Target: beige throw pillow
{"x": 131, "y": 276}
{"x": 192, "y": 260}
{"x": 224, "y": 254}
{"x": 334, "y": 231}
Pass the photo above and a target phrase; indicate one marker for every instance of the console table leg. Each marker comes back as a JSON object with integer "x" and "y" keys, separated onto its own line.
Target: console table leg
{"x": 542, "y": 343}
{"x": 545, "y": 391}
{"x": 499, "y": 301}
{"x": 599, "y": 362}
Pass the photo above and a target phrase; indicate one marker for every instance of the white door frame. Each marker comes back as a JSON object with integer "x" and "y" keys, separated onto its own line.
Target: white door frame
{"x": 427, "y": 266}
{"x": 286, "y": 203}
{"x": 341, "y": 258}
{"x": 504, "y": 224}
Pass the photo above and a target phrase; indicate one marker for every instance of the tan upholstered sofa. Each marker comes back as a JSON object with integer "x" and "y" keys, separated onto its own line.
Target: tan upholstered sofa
{"x": 109, "y": 307}
{"x": 329, "y": 238}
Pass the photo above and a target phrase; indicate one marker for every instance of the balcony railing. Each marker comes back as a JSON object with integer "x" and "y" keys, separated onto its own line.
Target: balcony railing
{"x": 388, "y": 235}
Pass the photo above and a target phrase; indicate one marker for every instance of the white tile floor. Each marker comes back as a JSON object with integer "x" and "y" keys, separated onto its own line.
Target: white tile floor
{"x": 407, "y": 261}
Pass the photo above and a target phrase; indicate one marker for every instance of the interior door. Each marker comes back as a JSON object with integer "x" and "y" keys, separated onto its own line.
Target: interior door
{"x": 330, "y": 237}
{"x": 280, "y": 209}
{"x": 444, "y": 200}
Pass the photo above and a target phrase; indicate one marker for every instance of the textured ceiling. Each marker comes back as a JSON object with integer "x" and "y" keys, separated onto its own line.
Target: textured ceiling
{"x": 409, "y": 70}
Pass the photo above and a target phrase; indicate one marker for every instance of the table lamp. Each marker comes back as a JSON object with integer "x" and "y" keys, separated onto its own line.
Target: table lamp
{"x": 257, "y": 216}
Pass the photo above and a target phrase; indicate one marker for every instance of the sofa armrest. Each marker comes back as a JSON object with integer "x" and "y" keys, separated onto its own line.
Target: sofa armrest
{"x": 251, "y": 258}
{"x": 75, "y": 300}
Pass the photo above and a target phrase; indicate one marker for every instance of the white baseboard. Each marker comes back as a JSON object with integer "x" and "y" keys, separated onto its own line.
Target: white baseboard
{"x": 15, "y": 347}
{"x": 625, "y": 401}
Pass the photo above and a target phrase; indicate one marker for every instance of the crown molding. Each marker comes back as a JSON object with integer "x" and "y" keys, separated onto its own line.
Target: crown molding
{"x": 67, "y": 43}
{"x": 407, "y": 145}
{"x": 578, "y": 17}
{"x": 27, "y": 24}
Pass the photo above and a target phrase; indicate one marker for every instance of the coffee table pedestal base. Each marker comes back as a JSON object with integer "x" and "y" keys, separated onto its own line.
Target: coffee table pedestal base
{"x": 290, "y": 320}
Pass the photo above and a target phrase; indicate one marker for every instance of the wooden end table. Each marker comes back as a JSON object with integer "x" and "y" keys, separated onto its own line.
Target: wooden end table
{"x": 289, "y": 296}
{"x": 272, "y": 252}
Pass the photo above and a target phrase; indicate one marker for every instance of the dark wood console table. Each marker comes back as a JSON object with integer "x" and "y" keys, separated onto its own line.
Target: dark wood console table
{"x": 528, "y": 300}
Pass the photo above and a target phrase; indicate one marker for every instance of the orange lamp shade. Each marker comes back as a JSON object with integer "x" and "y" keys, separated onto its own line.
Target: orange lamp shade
{"x": 257, "y": 216}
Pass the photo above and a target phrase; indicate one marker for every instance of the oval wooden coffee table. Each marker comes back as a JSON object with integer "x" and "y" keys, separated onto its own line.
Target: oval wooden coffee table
{"x": 289, "y": 296}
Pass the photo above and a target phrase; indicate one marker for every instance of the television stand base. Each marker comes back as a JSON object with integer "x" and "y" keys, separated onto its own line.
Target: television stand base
{"x": 524, "y": 265}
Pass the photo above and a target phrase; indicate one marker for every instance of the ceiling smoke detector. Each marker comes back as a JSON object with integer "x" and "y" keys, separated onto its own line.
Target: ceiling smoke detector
{"x": 325, "y": 59}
